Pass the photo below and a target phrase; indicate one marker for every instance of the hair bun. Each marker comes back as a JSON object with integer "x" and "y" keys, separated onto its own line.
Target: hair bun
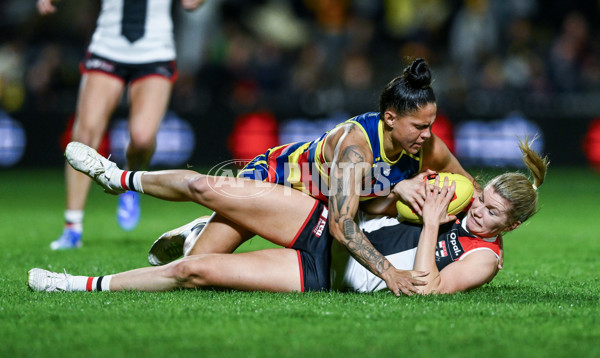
{"x": 418, "y": 74}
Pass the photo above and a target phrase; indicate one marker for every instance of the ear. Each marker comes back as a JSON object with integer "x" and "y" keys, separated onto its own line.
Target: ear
{"x": 389, "y": 117}
{"x": 513, "y": 226}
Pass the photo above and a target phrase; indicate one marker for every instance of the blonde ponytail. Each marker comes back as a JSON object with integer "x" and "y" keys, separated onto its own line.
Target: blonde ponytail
{"x": 537, "y": 166}
{"x": 518, "y": 189}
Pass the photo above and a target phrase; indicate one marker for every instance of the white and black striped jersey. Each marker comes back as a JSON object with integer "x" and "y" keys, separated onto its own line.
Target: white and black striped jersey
{"x": 134, "y": 31}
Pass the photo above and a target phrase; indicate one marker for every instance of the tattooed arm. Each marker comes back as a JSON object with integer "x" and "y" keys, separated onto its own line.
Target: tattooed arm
{"x": 348, "y": 169}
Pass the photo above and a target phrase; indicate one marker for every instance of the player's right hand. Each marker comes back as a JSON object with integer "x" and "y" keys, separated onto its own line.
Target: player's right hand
{"x": 412, "y": 192}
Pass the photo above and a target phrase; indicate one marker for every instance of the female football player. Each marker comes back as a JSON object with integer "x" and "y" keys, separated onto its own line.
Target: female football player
{"x": 459, "y": 255}
{"x": 133, "y": 45}
{"x": 360, "y": 159}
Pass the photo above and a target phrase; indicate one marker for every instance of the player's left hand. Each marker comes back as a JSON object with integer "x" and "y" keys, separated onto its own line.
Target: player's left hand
{"x": 435, "y": 209}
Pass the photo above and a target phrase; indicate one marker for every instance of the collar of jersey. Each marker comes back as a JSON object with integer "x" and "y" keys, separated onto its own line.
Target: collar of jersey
{"x": 382, "y": 148}
{"x": 463, "y": 223}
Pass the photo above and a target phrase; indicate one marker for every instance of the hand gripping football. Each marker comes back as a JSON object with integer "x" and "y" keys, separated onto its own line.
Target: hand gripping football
{"x": 462, "y": 197}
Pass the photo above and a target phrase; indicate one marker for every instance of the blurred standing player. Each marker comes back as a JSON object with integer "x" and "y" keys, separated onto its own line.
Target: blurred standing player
{"x": 133, "y": 45}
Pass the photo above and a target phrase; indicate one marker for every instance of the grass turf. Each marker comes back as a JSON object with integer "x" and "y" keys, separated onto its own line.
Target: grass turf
{"x": 545, "y": 303}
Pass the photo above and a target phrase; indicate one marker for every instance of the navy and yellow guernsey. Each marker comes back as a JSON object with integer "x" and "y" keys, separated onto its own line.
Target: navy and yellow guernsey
{"x": 303, "y": 166}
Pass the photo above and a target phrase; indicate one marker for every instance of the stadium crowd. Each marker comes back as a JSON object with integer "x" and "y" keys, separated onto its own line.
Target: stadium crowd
{"x": 309, "y": 58}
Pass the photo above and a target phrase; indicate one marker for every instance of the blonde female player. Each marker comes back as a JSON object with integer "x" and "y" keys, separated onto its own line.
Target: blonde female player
{"x": 457, "y": 256}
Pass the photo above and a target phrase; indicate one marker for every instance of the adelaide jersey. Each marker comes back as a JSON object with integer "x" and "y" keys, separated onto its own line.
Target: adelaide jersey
{"x": 303, "y": 165}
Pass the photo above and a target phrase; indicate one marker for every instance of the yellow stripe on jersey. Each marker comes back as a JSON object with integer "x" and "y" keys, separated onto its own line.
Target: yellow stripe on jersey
{"x": 295, "y": 175}
{"x": 318, "y": 163}
{"x": 382, "y": 148}
{"x": 415, "y": 157}
{"x": 364, "y": 132}
{"x": 321, "y": 145}
{"x": 254, "y": 165}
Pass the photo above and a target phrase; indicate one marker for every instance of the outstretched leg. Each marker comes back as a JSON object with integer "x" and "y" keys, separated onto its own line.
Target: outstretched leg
{"x": 275, "y": 270}
{"x": 272, "y": 211}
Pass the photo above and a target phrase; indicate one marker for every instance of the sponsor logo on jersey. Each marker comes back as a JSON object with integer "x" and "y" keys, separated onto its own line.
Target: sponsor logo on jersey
{"x": 164, "y": 71}
{"x": 454, "y": 245}
{"x": 441, "y": 250}
{"x": 318, "y": 230}
{"x": 98, "y": 64}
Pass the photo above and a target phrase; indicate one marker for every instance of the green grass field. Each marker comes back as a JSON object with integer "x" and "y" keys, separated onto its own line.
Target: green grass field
{"x": 545, "y": 303}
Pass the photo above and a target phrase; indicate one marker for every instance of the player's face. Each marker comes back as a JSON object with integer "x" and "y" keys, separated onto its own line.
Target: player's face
{"x": 488, "y": 215}
{"x": 411, "y": 130}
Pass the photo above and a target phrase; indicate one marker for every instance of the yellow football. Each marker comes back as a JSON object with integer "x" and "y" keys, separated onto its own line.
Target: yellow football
{"x": 462, "y": 197}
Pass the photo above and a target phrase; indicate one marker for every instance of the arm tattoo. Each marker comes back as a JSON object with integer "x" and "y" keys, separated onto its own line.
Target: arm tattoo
{"x": 349, "y": 230}
{"x": 343, "y": 204}
{"x": 362, "y": 250}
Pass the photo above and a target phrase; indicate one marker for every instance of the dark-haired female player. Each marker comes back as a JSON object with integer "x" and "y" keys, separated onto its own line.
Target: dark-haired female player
{"x": 361, "y": 158}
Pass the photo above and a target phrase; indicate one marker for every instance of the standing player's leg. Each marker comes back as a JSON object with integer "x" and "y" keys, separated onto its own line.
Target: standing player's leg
{"x": 149, "y": 97}
{"x": 99, "y": 95}
{"x": 148, "y": 100}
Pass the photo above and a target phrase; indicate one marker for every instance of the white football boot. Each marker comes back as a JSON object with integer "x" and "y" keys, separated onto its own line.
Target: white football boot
{"x": 47, "y": 281}
{"x": 173, "y": 244}
{"x": 86, "y": 160}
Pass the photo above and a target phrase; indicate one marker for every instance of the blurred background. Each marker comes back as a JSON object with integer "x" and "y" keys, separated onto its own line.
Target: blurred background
{"x": 255, "y": 74}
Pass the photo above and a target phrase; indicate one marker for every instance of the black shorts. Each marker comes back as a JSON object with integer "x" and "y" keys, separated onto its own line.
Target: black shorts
{"x": 313, "y": 245}
{"x": 127, "y": 72}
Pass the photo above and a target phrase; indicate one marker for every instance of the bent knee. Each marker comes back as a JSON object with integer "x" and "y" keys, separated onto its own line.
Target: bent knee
{"x": 201, "y": 187}
{"x": 191, "y": 273}
{"x": 89, "y": 135}
{"x": 142, "y": 142}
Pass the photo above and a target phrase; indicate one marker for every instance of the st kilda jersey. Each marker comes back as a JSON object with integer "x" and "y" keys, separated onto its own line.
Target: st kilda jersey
{"x": 134, "y": 31}
{"x": 398, "y": 243}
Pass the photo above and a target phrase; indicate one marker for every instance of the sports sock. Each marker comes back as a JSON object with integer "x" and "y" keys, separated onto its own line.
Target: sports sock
{"x": 74, "y": 220}
{"x": 128, "y": 180}
{"x": 86, "y": 283}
